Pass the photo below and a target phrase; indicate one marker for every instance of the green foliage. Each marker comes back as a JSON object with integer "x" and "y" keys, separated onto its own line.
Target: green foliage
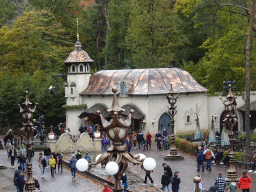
{"x": 7, "y": 12}
{"x": 184, "y": 145}
{"x": 252, "y": 136}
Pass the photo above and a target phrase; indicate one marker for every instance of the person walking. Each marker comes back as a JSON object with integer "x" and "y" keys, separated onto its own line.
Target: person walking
{"x": 106, "y": 188}
{"x": 134, "y": 139}
{"x": 47, "y": 153}
{"x": 149, "y": 138}
{"x": 208, "y": 156}
{"x": 200, "y": 159}
{"x": 244, "y": 182}
{"x": 52, "y": 163}
{"x": 22, "y": 161}
{"x": 13, "y": 155}
{"x": 148, "y": 176}
{"x": 128, "y": 144}
{"x": 165, "y": 181}
{"x": 140, "y": 140}
{"x": 19, "y": 181}
{"x": 168, "y": 169}
{"x": 78, "y": 155}
{"x": 232, "y": 187}
{"x": 16, "y": 173}
{"x": 88, "y": 157}
{"x": 221, "y": 183}
{"x": 124, "y": 182}
{"x": 72, "y": 165}
{"x": 23, "y": 150}
{"x": 176, "y": 182}
{"x": 60, "y": 159}
{"x": 42, "y": 164}
{"x": 8, "y": 147}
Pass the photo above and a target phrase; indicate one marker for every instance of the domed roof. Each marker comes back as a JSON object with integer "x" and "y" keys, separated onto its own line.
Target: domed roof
{"x": 143, "y": 81}
{"x": 78, "y": 55}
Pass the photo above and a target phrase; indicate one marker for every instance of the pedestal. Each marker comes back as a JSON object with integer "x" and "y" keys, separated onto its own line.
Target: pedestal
{"x": 2, "y": 167}
{"x": 173, "y": 156}
{"x": 52, "y": 145}
{"x": 97, "y": 144}
{"x": 177, "y": 157}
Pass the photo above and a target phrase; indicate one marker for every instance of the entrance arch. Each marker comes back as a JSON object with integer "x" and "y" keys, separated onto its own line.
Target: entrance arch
{"x": 222, "y": 117}
{"x": 165, "y": 123}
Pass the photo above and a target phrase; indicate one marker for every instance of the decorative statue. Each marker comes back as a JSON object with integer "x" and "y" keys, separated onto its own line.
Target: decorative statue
{"x": 224, "y": 136}
{"x": 212, "y": 136}
{"x": 198, "y": 133}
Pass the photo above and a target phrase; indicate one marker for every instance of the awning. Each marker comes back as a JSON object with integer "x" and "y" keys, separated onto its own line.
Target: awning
{"x": 138, "y": 114}
{"x": 252, "y": 107}
{"x": 93, "y": 110}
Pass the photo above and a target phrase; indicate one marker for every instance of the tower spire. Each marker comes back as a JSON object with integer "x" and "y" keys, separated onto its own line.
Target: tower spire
{"x": 77, "y": 30}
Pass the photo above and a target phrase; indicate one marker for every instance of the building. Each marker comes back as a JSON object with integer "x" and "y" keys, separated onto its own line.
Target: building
{"x": 143, "y": 90}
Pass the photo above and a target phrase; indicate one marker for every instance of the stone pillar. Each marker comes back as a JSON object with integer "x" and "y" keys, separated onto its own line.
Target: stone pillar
{"x": 97, "y": 144}
{"x": 52, "y": 145}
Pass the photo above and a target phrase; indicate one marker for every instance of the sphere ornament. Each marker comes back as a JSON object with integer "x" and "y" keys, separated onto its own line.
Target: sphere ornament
{"x": 141, "y": 156}
{"x": 197, "y": 179}
{"x": 82, "y": 165}
{"x": 97, "y": 157}
{"x": 149, "y": 164}
{"x": 112, "y": 168}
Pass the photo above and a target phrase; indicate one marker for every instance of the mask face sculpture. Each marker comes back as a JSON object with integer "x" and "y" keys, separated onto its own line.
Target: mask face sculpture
{"x": 117, "y": 131}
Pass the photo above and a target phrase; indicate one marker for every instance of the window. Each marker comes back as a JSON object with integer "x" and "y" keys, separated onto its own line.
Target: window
{"x": 188, "y": 119}
{"x": 72, "y": 91}
{"x": 123, "y": 89}
{"x": 73, "y": 68}
{"x": 81, "y": 68}
{"x": 87, "y": 68}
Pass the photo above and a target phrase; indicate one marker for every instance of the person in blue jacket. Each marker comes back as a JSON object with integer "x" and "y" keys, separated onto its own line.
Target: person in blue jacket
{"x": 200, "y": 159}
{"x": 21, "y": 181}
{"x": 176, "y": 182}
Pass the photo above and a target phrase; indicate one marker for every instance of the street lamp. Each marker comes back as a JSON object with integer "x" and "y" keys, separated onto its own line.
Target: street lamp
{"x": 28, "y": 131}
{"x": 230, "y": 120}
{"x": 117, "y": 157}
{"x": 172, "y": 98}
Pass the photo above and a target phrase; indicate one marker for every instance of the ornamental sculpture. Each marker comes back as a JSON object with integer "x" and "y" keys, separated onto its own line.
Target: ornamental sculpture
{"x": 28, "y": 130}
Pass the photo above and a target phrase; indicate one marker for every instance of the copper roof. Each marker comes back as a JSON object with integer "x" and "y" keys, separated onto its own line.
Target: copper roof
{"x": 78, "y": 55}
{"x": 252, "y": 107}
{"x": 143, "y": 81}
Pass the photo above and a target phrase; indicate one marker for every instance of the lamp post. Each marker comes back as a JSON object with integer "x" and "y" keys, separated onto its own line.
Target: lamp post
{"x": 171, "y": 97}
{"x": 51, "y": 134}
{"x": 116, "y": 158}
{"x": 28, "y": 131}
{"x": 197, "y": 180}
{"x": 230, "y": 121}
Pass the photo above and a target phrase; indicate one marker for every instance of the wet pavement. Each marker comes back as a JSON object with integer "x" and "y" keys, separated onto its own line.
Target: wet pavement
{"x": 64, "y": 183}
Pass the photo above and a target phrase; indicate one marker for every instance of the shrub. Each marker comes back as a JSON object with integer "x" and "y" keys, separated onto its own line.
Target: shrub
{"x": 185, "y": 146}
{"x": 252, "y": 136}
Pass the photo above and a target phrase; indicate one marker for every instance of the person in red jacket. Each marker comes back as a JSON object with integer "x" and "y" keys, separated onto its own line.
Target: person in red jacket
{"x": 106, "y": 188}
{"x": 149, "y": 138}
{"x": 244, "y": 182}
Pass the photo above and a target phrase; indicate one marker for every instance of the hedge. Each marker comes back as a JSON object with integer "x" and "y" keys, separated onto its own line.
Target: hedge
{"x": 192, "y": 148}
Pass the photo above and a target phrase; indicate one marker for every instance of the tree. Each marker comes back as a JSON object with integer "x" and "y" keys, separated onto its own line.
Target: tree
{"x": 153, "y": 35}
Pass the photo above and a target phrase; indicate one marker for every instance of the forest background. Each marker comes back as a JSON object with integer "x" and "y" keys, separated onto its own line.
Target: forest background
{"x": 37, "y": 36}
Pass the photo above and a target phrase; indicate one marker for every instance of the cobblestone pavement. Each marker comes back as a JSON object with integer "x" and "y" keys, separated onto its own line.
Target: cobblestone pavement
{"x": 61, "y": 182}
{"x": 187, "y": 168}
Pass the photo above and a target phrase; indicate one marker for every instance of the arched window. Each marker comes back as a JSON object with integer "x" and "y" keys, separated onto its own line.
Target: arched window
{"x": 81, "y": 68}
{"x": 188, "y": 119}
{"x": 87, "y": 68}
{"x": 73, "y": 68}
{"x": 72, "y": 91}
{"x": 123, "y": 89}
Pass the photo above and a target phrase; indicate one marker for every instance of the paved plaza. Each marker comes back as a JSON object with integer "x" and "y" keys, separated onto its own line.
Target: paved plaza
{"x": 64, "y": 183}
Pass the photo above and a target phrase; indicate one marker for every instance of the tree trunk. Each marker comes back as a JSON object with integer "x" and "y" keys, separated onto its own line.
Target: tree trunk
{"x": 97, "y": 45}
{"x": 247, "y": 100}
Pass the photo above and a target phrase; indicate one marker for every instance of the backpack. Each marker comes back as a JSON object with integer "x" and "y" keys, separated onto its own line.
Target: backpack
{"x": 16, "y": 181}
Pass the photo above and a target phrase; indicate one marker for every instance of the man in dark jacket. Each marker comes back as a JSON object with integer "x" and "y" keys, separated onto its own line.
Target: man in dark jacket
{"x": 168, "y": 169}
{"x": 17, "y": 172}
{"x": 22, "y": 161}
{"x": 72, "y": 165}
{"x": 200, "y": 159}
{"x": 165, "y": 181}
{"x": 21, "y": 181}
{"x": 140, "y": 139}
{"x": 47, "y": 152}
{"x": 176, "y": 182}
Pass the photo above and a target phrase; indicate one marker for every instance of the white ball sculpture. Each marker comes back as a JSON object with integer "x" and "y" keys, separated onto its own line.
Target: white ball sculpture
{"x": 149, "y": 164}
{"x": 112, "y": 168}
{"x": 97, "y": 157}
{"x": 82, "y": 165}
{"x": 141, "y": 156}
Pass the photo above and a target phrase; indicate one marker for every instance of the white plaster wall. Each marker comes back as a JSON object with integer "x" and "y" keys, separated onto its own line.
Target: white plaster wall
{"x": 73, "y": 121}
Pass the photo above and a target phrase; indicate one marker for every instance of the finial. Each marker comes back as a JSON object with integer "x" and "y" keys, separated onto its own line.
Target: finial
{"x": 77, "y": 30}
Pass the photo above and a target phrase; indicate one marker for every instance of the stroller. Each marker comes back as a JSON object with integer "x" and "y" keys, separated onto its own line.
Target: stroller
{"x": 166, "y": 143}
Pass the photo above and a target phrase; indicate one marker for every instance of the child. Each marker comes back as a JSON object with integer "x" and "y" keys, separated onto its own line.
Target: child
{"x": 145, "y": 143}
{"x": 106, "y": 188}
{"x": 232, "y": 187}
{"x": 36, "y": 183}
